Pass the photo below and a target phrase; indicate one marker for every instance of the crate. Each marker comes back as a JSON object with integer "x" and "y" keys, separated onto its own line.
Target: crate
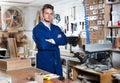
{"x": 14, "y": 64}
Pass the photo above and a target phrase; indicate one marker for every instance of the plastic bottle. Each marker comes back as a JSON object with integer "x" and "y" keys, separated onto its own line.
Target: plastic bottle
{"x": 115, "y": 18}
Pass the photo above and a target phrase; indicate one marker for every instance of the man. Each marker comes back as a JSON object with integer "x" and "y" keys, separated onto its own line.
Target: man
{"x": 48, "y": 37}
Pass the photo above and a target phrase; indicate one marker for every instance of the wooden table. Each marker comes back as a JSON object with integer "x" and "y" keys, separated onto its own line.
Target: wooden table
{"x": 27, "y": 74}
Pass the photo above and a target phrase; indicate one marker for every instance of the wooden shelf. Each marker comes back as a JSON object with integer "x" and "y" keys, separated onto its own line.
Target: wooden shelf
{"x": 110, "y": 3}
{"x": 114, "y": 27}
{"x": 12, "y": 31}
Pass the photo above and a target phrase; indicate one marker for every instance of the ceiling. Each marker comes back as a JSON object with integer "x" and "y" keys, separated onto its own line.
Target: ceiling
{"x": 30, "y": 2}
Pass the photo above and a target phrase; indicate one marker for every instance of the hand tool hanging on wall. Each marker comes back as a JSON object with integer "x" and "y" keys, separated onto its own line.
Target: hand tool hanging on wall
{"x": 74, "y": 11}
{"x": 82, "y": 25}
{"x": 67, "y": 26}
{"x": 86, "y": 24}
{"x": 73, "y": 27}
{"x": 67, "y": 22}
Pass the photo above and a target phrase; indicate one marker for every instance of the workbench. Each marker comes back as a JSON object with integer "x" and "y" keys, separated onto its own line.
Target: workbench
{"x": 90, "y": 74}
{"x": 67, "y": 56}
{"x": 24, "y": 75}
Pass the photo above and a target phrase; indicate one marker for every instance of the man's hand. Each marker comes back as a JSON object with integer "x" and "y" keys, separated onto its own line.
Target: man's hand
{"x": 50, "y": 40}
{"x": 59, "y": 36}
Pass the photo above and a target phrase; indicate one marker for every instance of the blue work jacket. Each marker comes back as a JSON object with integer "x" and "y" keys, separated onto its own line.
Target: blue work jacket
{"x": 48, "y": 56}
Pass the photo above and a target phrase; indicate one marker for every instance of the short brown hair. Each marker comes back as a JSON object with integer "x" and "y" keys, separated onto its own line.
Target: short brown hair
{"x": 47, "y": 6}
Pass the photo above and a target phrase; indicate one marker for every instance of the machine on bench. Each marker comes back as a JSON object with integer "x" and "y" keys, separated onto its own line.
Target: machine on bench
{"x": 97, "y": 56}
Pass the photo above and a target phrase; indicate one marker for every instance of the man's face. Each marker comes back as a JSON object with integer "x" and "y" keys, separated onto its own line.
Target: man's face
{"x": 47, "y": 15}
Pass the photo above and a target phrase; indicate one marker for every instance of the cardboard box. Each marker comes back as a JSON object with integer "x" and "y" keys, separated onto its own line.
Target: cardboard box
{"x": 93, "y": 41}
{"x": 14, "y": 64}
{"x": 117, "y": 42}
{"x": 93, "y": 23}
{"x": 93, "y": 34}
{"x": 100, "y": 34}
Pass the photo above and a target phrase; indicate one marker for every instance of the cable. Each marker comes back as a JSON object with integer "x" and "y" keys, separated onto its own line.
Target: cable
{"x": 86, "y": 24}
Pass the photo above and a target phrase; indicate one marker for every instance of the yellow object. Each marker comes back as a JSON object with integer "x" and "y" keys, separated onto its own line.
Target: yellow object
{"x": 46, "y": 77}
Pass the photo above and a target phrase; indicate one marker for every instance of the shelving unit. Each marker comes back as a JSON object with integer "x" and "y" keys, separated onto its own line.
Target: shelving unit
{"x": 97, "y": 11}
{"x": 114, "y": 27}
{"x": 113, "y": 30}
{"x": 15, "y": 37}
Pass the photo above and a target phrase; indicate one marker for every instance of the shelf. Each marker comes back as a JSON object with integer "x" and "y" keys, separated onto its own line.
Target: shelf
{"x": 86, "y": 69}
{"x": 12, "y": 31}
{"x": 110, "y": 3}
{"x": 114, "y": 27}
{"x": 116, "y": 50}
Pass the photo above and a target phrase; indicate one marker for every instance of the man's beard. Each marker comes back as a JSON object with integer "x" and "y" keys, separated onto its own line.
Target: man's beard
{"x": 47, "y": 20}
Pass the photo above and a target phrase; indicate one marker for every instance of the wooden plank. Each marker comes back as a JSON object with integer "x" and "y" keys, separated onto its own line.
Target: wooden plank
{"x": 12, "y": 47}
{"x": 12, "y": 31}
{"x": 14, "y": 64}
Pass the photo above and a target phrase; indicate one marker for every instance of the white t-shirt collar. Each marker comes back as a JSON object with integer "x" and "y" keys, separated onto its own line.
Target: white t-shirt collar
{"x": 46, "y": 25}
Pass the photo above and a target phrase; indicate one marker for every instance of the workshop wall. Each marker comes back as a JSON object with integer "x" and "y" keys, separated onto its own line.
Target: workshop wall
{"x": 30, "y": 17}
{"x": 74, "y": 11}
{"x": 71, "y": 11}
